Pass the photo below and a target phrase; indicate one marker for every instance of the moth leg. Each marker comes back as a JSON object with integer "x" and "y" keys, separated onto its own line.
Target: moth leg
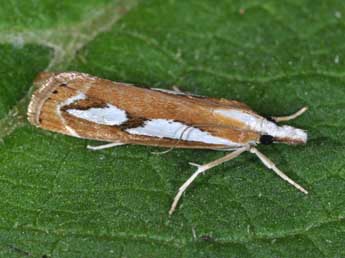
{"x": 269, "y": 164}
{"x": 105, "y": 146}
{"x": 290, "y": 117}
{"x": 162, "y": 152}
{"x": 202, "y": 169}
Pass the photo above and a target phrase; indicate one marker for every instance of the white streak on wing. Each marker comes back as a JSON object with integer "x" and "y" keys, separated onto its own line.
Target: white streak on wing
{"x": 175, "y": 130}
{"x": 109, "y": 115}
{"x": 79, "y": 96}
{"x": 262, "y": 125}
{"x": 69, "y": 101}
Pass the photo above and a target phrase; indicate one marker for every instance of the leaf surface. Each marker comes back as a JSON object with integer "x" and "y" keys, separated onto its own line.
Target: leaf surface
{"x": 61, "y": 200}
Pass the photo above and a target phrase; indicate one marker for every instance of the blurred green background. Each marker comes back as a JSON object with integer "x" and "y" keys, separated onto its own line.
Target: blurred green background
{"x": 58, "y": 199}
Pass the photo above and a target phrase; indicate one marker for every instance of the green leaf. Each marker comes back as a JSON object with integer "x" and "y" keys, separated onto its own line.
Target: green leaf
{"x": 59, "y": 199}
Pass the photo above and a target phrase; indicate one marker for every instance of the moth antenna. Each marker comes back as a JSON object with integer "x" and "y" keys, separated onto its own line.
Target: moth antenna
{"x": 290, "y": 117}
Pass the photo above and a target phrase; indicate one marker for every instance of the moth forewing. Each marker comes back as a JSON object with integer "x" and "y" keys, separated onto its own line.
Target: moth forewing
{"x": 88, "y": 107}
{"x": 85, "y": 106}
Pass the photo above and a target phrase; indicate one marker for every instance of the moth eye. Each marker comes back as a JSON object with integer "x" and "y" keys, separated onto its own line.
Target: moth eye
{"x": 266, "y": 139}
{"x": 271, "y": 119}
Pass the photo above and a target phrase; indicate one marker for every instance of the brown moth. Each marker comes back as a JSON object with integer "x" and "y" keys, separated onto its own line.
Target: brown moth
{"x": 88, "y": 107}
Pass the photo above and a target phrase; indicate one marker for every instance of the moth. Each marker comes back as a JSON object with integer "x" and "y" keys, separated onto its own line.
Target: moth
{"x": 84, "y": 106}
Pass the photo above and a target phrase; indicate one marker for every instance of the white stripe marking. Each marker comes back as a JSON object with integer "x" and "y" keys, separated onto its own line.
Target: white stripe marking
{"x": 109, "y": 115}
{"x": 175, "y": 130}
{"x": 262, "y": 125}
{"x": 67, "y": 102}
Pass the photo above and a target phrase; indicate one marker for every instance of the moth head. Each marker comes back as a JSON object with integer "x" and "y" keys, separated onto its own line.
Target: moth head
{"x": 267, "y": 130}
{"x": 284, "y": 134}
